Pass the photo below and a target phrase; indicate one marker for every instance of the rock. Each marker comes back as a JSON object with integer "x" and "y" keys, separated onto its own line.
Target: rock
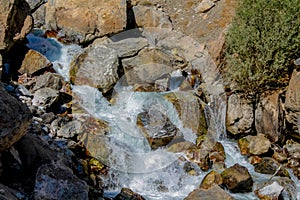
{"x": 7, "y": 193}
{"x": 269, "y": 117}
{"x": 199, "y": 156}
{"x": 180, "y": 147}
{"x": 128, "y": 194}
{"x": 149, "y": 65}
{"x": 128, "y": 47}
{"x": 50, "y": 80}
{"x": 70, "y": 129}
{"x": 293, "y": 150}
{"x": 23, "y": 91}
{"x": 55, "y": 181}
{"x": 239, "y": 116}
{"x": 271, "y": 166}
{"x": 217, "y": 156}
{"x": 237, "y": 179}
{"x": 204, "y": 6}
{"x": 149, "y": 17}
{"x": 214, "y": 192}
{"x": 82, "y": 22}
{"x": 279, "y": 154}
{"x": 96, "y": 67}
{"x": 34, "y": 62}
{"x": 13, "y": 15}
{"x": 15, "y": 118}
{"x": 157, "y": 128}
{"x": 254, "y": 145}
{"x": 211, "y": 179}
{"x": 190, "y": 111}
{"x": 46, "y": 97}
{"x": 277, "y": 188}
{"x": 292, "y": 106}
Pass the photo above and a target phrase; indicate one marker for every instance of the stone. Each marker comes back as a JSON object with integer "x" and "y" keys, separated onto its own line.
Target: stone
{"x": 190, "y": 110}
{"x": 128, "y": 194}
{"x": 271, "y": 166}
{"x": 239, "y": 116}
{"x": 82, "y": 22}
{"x": 7, "y": 193}
{"x": 15, "y": 118}
{"x": 297, "y": 62}
{"x": 96, "y": 67}
{"x": 217, "y": 156}
{"x": 148, "y": 17}
{"x": 70, "y": 129}
{"x": 34, "y": 62}
{"x": 292, "y": 106}
{"x": 237, "y": 179}
{"x": 214, "y": 192}
{"x": 56, "y": 181}
{"x": 269, "y": 117}
{"x": 157, "y": 128}
{"x": 204, "y": 6}
{"x": 271, "y": 191}
{"x": 199, "y": 156}
{"x": 211, "y": 179}
{"x": 149, "y": 65}
{"x": 128, "y": 47}
{"x": 13, "y": 15}
{"x": 45, "y": 97}
{"x": 254, "y": 145}
{"x": 50, "y": 80}
{"x": 180, "y": 147}
{"x": 293, "y": 150}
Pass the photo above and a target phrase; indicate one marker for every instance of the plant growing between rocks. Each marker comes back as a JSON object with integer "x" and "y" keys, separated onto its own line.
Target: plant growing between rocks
{"x": 261, "y": 44}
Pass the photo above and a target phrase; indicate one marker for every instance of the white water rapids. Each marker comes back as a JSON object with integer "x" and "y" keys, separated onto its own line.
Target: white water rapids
{"x": 155, "y": 174}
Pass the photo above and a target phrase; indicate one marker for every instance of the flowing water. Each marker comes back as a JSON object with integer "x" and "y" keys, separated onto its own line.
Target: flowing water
{"x": 155, "y": 174}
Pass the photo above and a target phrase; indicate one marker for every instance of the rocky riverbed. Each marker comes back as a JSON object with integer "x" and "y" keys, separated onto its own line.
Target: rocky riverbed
{"x": 123, "y": 100}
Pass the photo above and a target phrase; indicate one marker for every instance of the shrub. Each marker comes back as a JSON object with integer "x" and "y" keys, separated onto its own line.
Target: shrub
{"x": 261, "y": 43}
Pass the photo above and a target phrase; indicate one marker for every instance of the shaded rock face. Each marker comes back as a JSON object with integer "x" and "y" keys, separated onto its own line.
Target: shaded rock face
{"x": 254, "y": 145}
{"x": 157, "y": 128}
{"x": 292, "y": 105}
{"x": 96, "y": 67}
{"x": 271, "y": 166}
{"x": 269, "y": 117}
{"x": 214, "y": 192}
{"x": 7, "y": 193}
{"x": 55, "y": 181}
{"x": 12, "y": 22}
{"x": 237, "y": 179}
{"x": 82, "y": 21}
{"x": 15, "y": 118}
{"x": 240, "y": 116}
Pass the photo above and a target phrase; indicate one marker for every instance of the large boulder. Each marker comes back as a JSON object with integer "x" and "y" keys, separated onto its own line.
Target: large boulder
{"x": 237, "y": 179}
{"x": 271, "y": 166}
{"x": 292, "y": 105}
{"x": 15, "y": 22}
{"x": 82, "y": 21}
{"x": 211, "y": 179}
{"x": 254, "y": 145}
{"x": 269, "y": 117}
{"x": 240, "y": 116}
{"x": 96, "y": 67}
{"x": 15, "y": 118}
{"x": 214, "y": 192}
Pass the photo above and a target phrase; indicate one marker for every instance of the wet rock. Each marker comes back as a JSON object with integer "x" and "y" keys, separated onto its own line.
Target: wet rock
{"x": 50, "y": 80}
{"x": 157, "y": 128}
{"x": 149, "y": 65}
{"x": 96, "y": 67}
{"x": 128, "y": 47}
{"x": 13, "y": 15}
{"x": 214, "y": 192}
{"x": 128, "y": 194}
{"x": 254, "y": 145}
{"x": 269, "y": 117}
{"x": 211, "y": 179}
{"x": 15, "y": 118}
{"x": 217, "y": 156}
{"x": 292, "y": 105}
{"x": 237, "y": 179}
{"x": 190, "y": 111}
{"x": 240, "y": 116}
{"x": 271, "y": 166}
{"x": 45, "y": 97}
{"x": 55, "y": 181}
{"x": 180, "y": 147}
{"x": 82, "y": 22}
{"x": 293, "y": 150}
{"x": 34, "y": 62}
{"x": 148, "y": 17}
{"x": 204, "y": 6}
{"x": 199, "y": 156}
{"x": 277, "y": 188}
{"x": 7, "y": 193}
{"x": 279, "y": 154}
